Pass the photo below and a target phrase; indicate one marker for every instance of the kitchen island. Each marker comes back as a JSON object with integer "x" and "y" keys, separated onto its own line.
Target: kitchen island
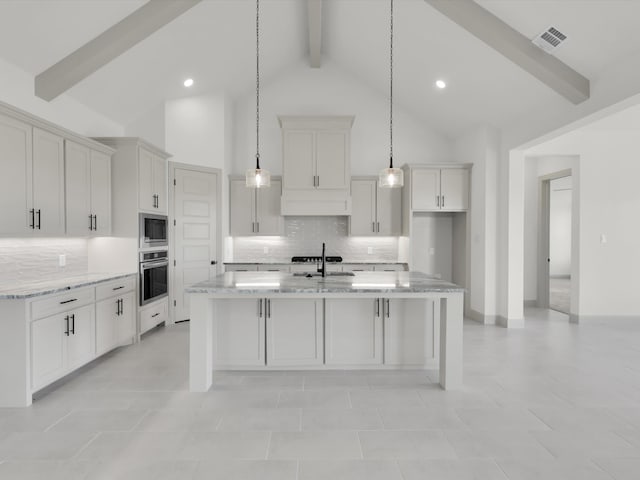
{"x": 210, "y": 299}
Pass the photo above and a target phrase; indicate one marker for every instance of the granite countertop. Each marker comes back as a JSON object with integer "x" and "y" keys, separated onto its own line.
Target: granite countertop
{"x": 313, "y": 263}
{"x": 38, "y": 288}
{"x": 263, "y": 283}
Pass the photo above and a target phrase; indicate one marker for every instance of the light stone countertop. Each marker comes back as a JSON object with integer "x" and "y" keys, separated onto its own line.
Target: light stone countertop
{"x": 343, "y": 262}
{"x": 37, "y": 288}
{"x": 264, "y": 283}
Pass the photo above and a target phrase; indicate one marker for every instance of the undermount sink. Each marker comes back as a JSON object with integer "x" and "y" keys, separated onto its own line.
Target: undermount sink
{"x": 318, "y": 274}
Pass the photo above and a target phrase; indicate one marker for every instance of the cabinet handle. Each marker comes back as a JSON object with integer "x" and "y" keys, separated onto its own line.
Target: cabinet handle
{"x": 38, "y": 214}
{"x": 257, "y": 227}
{"x": 268, "y": 308}
{"x": 253, "y": 227}
{"x": 90, "y": 222}
{"x": 121, "y": 306}
{"x": 118, "y": 288}
{"x": 378, "y": 227}
{"x": 373, "y": 227}
{"x": 66, "y": 320}
{"x": 155, "y": 315}
{"x": 377, "y": 307}
{"x": 95, "y": 222}
{"x": 73, "y": 323}
{"x": 442, "y": 201}
{"x": 388, "y": 309}
{"x": 118, "y": 307}
{"x": 259, "y": 308}
{"x": 33, "y": 220}
{"x": 69, "y": 301}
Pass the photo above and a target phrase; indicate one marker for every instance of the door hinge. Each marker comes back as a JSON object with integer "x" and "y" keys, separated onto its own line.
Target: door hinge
{"x": 174, "y": 263}
{"x": 174, "y": 182}
{"x": 174, "y": 222}
{"x": 175, "y": 303}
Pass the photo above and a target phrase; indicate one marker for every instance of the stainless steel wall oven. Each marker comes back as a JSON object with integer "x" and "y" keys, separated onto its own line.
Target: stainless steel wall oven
{"x": 154, "y": 275}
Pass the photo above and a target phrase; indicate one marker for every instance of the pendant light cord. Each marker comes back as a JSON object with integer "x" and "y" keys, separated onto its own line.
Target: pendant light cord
{"x": 391, "y": 90}
{"x": 257, "y": 84}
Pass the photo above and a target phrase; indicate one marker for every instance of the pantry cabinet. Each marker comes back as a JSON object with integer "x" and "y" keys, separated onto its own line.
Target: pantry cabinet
{"x": 316, "y": 165}
{"x": 88, "y": 191}
{"x": 439, "y": 189}
{"x": 254, "y": 211}
{"x": 375, "y": 211}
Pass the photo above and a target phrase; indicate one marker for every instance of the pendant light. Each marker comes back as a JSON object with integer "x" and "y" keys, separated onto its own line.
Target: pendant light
{"x": 258, "y": 177}
{"x": 391, "y": 177}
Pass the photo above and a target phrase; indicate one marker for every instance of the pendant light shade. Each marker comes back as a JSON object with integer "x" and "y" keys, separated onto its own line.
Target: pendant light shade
{"x": 391, "y": 177}
{"x": 257, "y": 177}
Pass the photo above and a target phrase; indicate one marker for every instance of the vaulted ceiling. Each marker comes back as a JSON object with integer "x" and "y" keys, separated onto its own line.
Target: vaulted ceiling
{"x": 214, "y": 43}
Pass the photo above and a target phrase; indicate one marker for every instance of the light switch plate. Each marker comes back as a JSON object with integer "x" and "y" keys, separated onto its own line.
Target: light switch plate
{"x": 62, "y": 260}
{"x": 369, "y": 250}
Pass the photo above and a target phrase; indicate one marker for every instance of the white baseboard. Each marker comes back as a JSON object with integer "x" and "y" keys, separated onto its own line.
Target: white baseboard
{"x": 481, "y": 317}
{"x": 602, "y": 319}
{"x": 510, "y": 322}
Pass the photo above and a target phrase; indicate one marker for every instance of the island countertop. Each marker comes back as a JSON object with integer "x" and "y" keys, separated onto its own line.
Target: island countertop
{"x": 265, "y": 283}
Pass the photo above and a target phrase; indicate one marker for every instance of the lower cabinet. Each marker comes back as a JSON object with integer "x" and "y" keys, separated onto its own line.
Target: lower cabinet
{"x": 115, "y": 322}
{"x": 61, "y": 343}
{"x": 240, "y": 332}
{"x": 353, "y": 330}
{"x": 294, "y": 332}
{"x": 153, "y": 314}
{"x": 410, "y": 332}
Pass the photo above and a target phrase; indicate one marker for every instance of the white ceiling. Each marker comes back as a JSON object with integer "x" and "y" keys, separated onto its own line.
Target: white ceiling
{"x": 214, "y": 42}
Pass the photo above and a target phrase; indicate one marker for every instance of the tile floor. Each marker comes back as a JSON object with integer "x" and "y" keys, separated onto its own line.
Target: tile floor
{"x": 550, "y": 401}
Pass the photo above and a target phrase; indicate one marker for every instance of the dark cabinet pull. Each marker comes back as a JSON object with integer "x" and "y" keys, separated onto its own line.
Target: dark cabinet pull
{"x": 213, "y": 262}
{"x": 118, "y": 288}
{"x": 66, "y": 320}
{"x": 388, "y": 309}
{"x": 155, "y": 315}
{"x": 38, "y": 214}
{"x": 90, "y": 222}
{"x": 268, "y": 308}
{"x": 73, "y": 324}
{"x": 118, "y": 307}
{"x": 95, "y": 222}
{"x": 69, "y": 301}
{"x": 32, "y": 212}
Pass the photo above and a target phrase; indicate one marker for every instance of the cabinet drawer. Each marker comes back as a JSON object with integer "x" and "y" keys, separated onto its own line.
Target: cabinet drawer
{"x": 150, "y": 317}
{"x": 116, "y": 287}
{"x": 62, "y": 302}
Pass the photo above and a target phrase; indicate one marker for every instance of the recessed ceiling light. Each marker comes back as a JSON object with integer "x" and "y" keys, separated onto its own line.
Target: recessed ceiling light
{"x": 440, "y": 84}
{"x": 188, "y": 82}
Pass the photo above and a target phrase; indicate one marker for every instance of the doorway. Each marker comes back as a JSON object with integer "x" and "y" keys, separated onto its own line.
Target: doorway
{"x": 195, "y": 231}
{"x": 556, "y": 213}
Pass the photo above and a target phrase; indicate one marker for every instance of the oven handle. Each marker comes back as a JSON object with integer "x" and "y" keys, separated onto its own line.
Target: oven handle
{"x": 147, "y": 265}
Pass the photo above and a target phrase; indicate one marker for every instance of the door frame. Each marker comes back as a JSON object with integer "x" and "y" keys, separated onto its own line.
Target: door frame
{"x": 173, "y": 166}
{"x": 544, "y": 246}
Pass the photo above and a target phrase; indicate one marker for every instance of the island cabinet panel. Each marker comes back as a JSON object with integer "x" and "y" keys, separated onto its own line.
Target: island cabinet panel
{"x": 239, "y": 330}
{"x": 410, "y": 333}
{"x": 353, "y": 330}
{"x": 294, "y": 332}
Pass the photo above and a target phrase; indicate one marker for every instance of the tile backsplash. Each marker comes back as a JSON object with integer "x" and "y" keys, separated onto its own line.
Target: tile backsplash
{"x": 304, "y": 236}
{"x": 26, "y": 259}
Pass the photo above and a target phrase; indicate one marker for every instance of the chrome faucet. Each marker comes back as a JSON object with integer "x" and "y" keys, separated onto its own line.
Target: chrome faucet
{"x": 323, "y": 269}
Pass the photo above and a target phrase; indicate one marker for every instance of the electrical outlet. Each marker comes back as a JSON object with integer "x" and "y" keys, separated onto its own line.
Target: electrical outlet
{"x": 62, "y": 260}
{"x": 266, "y": 249}
{"x": 369, "y": 250}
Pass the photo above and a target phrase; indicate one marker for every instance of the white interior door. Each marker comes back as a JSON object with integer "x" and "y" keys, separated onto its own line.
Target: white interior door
{"x": 195, "y": 211}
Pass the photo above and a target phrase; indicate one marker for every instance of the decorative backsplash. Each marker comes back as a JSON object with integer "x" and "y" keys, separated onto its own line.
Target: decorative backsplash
{"x": 26, "y": 259}
{"x": 304, "y": 236}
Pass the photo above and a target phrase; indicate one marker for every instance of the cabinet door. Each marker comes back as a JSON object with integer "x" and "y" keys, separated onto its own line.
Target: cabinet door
{"x": 269, "y": 220}
{"x": 363, "y": 208}
{"x": 331, "y": 160}
{"x": 48, "y": 182}
{"x": 239, "y": 331}
{"x": 78, "y": 188}
{"x": 160, "y": 183}
{"x": 389, "y": 211}
{"x": 299, "y": 160}
{"x": 106, "y": 324}
{"x": 294, "y": 332}
{"x": 409, "y": 335}
{"x": 47, "y": 350}
{"x": 126, "y": 329}
{"x": 454, "y": 189}
{"x": 353, "y": 330}
{"x": 81, "y": 345}
{"x": 101, "y": 192}
{"x": 146, "y": 199}
{"x": 425, "y": 189}
{"x": 241, "y": 209}
{"x": 15, "y": 182}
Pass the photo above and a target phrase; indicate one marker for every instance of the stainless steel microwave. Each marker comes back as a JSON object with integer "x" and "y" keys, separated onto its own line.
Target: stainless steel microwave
{"x": 153, "y": 230}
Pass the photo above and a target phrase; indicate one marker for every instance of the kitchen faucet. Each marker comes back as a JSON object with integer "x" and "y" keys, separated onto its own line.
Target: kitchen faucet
{"x": 323, "y": 269}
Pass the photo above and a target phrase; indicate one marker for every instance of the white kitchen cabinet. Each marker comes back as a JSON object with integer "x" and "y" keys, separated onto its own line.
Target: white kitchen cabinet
{"x": 61, "y": 343}
{"x": 294, "y": 332}
{"x": 115, "y": 314}
{"x": 353, "y": 331}
{"x": 316, "y": 165}
{"x": 239, "y": 327}
{"x": 410, "y": 332}
{"x": 153, "y": 314}
{"x": 255, "y": 211}
{"x": 152, "y": 182}
{"x": 439, "y": 189}
{"x": 88, "y": 191}
{"x": 375, "y": 211}
{"x": 48, "y": 183}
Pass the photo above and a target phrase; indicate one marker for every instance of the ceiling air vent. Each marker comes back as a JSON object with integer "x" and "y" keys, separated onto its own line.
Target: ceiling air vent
{"x": 550, "y": 39}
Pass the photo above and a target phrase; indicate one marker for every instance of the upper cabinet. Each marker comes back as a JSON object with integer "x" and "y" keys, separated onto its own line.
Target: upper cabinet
{"x": 375, "y": 211}
{"x": 88, "y": 190}
{"x": 316, "y": 165}
{"x": 152, "y": 181}
{"x": 254, "y": 211}
{"x": 439, "y": 189}
{"x": 35, "y": 178}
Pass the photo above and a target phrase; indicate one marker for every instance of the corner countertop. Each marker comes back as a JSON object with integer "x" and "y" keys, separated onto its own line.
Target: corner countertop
{"x": 343, "y": 262}
{"x": 265, "y": 283}
{"x": 37, "y": 288}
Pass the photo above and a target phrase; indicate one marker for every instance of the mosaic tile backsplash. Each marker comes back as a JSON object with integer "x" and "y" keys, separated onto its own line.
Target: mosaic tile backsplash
{"x": 26, "y": 259}
{"x": 304, "y": 236}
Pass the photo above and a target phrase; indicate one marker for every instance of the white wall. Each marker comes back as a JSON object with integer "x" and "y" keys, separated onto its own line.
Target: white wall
{"x": 330, "y": 91}
{"x": 560, "y": 227}
{"x": 149, "y": 126}
{"x": 17, "y": 87}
